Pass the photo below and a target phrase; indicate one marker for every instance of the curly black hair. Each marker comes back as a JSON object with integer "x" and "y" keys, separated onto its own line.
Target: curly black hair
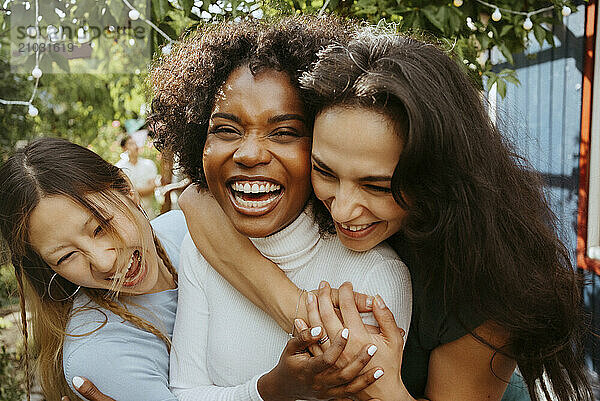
{"x": 185, "y": 82}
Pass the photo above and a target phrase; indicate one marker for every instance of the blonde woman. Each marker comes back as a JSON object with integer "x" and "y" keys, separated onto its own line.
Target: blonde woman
{"x": 98, "y": 277}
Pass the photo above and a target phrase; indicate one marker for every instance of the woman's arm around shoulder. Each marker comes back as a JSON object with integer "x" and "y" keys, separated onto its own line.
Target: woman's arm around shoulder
{"x": 241, "y": 264}
{"x": 390, "y": 279}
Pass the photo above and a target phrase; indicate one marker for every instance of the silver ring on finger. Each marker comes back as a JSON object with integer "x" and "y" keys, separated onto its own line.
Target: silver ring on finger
{"x": 323, "y": 339}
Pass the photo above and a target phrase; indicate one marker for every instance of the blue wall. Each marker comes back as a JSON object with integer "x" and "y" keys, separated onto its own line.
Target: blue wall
{"x": 543, "y": 119}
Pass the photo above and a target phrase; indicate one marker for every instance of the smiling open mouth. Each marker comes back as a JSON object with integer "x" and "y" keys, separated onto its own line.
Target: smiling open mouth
{"x": 254, "y": 198}
{"x": 356, "y": 231}
{"x": 135, "y": 272}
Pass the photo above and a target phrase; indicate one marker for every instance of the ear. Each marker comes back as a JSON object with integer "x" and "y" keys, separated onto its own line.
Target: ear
{"x": 132, "y": 194}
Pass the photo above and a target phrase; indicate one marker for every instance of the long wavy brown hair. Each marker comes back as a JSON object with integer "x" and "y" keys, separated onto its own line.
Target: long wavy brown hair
{"x": 56, "y": 167}
{"x": 478, "y": 228}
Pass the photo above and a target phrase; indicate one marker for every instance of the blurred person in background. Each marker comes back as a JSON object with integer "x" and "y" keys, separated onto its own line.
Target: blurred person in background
{"x": 141, "y": 171}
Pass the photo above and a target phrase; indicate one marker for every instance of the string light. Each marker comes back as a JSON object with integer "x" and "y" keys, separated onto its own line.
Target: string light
{"x": 32, "y": 111}
{"x": 134, "y": 14}
{"x": 527, "y": 24}
{"x": 470, "y": 24}
{"x": 458, "y": 3}
{"x": 497, "y": 15}
{"x": 36, "y": 72}
{"x": 508, "y": 11}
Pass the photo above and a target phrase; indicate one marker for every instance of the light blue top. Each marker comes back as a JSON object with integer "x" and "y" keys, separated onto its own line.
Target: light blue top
{"x": 123, "y": 361}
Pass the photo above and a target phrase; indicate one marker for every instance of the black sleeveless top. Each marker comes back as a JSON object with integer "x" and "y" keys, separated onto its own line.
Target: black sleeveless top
{"x": 433, "y": 325}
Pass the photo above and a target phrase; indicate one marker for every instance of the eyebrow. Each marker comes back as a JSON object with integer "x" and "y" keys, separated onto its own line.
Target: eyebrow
{"x": 58, "y": 248}
{"x": 369, "y": 178}
{"x": 272, "y": 120}
{"x": 227, "y": 116}
{"x": 286, "y": 117}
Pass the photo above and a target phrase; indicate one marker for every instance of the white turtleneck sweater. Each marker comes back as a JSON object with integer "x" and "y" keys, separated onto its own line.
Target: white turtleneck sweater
{"x": 222, "y": 343}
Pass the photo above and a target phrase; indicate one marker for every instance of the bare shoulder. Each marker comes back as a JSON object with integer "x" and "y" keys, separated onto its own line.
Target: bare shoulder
{"x": 469, "y": 368}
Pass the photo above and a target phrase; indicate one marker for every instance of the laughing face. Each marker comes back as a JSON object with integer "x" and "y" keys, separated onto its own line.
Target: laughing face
{"x": 74, "y": 244}
{"x": 257, "y": 153}
{"x": 355, "y": 152}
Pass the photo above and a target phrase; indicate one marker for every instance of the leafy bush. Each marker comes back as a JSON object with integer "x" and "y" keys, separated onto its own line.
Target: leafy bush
{"x": 11, "y": 377}
{"x": 8, "y": 286}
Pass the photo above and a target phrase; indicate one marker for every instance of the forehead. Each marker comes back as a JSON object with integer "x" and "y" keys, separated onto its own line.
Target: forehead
{"x": 356, "y": 140}
{"x": 267, "y": 93}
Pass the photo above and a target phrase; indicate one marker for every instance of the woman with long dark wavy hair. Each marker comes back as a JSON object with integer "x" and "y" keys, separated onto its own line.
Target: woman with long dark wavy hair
{"x": 493, "y": 285}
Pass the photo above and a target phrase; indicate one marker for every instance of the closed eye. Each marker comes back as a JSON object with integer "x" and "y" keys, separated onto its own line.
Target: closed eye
{"x": 322, "y": 172}
{"x": 225, "y": 132}
{"x": 377, "y": 188}
{"x": 97, "y": 230}
{"x": 285, "y": 135}
{"x": 64, "y": 258}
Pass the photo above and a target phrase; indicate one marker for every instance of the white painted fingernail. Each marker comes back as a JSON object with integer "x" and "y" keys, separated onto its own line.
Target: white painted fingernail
{"x": 345, "y": 333}
{"x": 372, "y": 350}
{"x": 310, "y": 298}
{"x": 378, "y": 373}
{"x": 77, "y": 382}
{"x": 369, "y": 302}
{"x": 315, "y": 331}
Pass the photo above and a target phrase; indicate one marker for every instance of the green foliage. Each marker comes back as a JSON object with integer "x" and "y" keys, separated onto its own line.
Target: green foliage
{"x": 8, "y": 287}
{"x": 11, "y": 377}
{"x": 471, "y": 42}
{"x": 81, "y": 107}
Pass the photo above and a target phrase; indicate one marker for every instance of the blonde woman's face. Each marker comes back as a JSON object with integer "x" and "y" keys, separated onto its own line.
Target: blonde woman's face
{"x": 71, "y": 240}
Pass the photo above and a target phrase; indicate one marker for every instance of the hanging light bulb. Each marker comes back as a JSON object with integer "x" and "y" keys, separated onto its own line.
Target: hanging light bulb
{"x": 36, "y": 72}
{"x": 470, "y": 24}
{"x": 134, "y": 14}
{"x": 490, "y": 34}
{"x": 497, "y": 15}
{"x": 458, "y": 3}
{"x": 33, "y": 111}
{"x": 527, "y": 24}
{"x": 566, "y": 11}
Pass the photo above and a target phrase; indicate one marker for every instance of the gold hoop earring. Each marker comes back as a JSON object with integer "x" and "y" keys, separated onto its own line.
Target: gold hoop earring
{"x": 50, "y": 291}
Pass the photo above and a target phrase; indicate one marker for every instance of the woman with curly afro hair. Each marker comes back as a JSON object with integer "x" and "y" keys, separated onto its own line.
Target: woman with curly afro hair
{"x": 227, "y": 102}
{"x": 404, "y": 151}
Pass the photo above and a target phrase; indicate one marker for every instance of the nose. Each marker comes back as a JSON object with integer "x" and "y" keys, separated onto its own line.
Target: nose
{"x": 103, "y": 258}
{"x": 251, "y": 152}
{"x": 346, "y": 204}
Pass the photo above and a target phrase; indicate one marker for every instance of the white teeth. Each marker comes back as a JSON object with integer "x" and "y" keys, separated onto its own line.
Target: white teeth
{"x": 355, "y": 228}
{"x": 118, "y": 275}
{"x": 253, "y": 204}
{"x": 254, "y": 187}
